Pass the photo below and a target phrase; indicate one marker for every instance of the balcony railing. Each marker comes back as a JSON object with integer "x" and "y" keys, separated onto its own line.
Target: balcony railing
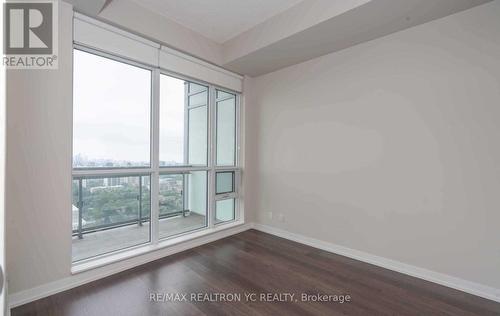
{"x": 80, "y": 231}
{"x": 114, "y": 217}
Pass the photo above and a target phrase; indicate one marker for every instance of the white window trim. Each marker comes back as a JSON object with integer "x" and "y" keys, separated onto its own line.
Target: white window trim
{"x": 103, "y": 260}
{"x": 154, "y": 170}
{"x": 93, "y": 33}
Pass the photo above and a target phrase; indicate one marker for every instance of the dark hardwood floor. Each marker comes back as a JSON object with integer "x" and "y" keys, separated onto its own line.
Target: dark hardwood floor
{"x": 255, "y": 262}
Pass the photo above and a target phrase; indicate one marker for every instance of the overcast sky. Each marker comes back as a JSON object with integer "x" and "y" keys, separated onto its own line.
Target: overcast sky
{"x": 111, "y": 111}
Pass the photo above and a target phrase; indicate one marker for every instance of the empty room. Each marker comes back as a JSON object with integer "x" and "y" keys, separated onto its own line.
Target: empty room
{"x": 250, "y": 157}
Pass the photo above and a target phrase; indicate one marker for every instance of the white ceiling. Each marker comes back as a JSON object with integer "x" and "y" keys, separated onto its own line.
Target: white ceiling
{"x": 364, "y": 21}
{"x": 219, "y": 20}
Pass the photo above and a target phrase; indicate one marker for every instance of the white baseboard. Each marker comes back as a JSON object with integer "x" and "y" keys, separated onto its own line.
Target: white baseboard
{"x": 431, "y": 276}
{"x": 33, "y": 294}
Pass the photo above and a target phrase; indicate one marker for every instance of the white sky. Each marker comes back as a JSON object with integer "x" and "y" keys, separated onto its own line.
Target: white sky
{"x": 111, "y": 111}
{"x": 171, "y": 119}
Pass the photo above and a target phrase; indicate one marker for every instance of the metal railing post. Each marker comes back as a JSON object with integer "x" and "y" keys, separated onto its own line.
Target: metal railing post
{"x": 140, "y": 201}
{"x": 80, "y": 209}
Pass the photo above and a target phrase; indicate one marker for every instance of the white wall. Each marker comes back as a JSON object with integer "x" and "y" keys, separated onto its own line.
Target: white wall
{"x": 248, "y": 191}
{"x": 390, "y": 147}
{"x": 39, "y": 115}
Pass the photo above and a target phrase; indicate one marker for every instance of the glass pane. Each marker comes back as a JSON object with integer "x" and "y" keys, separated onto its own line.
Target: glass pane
{"x": 171, "y": 194}
{"x": 111, "y": 113}
{"x": 171, "y": 121}
{"x": 183, "y": 202}
{"x": 197, "y": 136}
{"x": 224, "y": 211}
{"x": 115, "y": 213}
{"x": 193, "y": 87}
{"x": 183, "y": 132}
{"x": 224, "y": 182}
{"x": 226, "y": 132}
{"x": 223, "y": 95}
{"x": 200, "y": 98}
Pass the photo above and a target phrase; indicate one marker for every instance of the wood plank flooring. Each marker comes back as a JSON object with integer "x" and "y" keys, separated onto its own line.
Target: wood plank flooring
{"x": 255, "y": 262}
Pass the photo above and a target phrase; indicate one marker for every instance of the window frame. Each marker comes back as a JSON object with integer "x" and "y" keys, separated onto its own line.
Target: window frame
{"x": 154, "y": 170}
{"x": 126, "y": 61}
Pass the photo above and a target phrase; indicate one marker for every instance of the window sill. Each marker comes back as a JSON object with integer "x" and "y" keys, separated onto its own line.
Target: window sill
{"x": 83, "y": 266}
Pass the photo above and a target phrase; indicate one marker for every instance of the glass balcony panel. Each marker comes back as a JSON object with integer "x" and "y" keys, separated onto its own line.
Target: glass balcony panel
{"x": 110, "y": 214}
{"x": 182, "y": 202}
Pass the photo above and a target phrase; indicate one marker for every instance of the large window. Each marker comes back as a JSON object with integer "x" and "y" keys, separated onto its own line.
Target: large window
{"x": 150, "y": 161}
{"x": 111, "y": 113}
